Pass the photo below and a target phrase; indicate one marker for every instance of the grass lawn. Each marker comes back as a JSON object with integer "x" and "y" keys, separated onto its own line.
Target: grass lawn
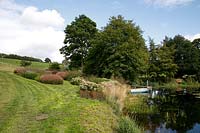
{"x": 11, "y": 64}
{"x": 29, "y": 106}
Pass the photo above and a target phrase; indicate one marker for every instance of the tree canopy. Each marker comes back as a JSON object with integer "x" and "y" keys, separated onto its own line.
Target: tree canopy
{"x": 118, "y": 50}
{"x": 77, "y": 40}
{"x": 47, "y": 60}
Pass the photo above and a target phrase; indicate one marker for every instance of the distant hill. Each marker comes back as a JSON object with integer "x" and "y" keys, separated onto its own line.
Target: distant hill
{"x": 14, "y": 56}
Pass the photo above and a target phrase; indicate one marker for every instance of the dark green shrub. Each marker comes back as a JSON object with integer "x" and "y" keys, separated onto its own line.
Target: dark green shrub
{"x": 73, "y": 74}
{"x": 96, "y": 80}
{"x": 25, "y": 63}
{"x": 51, "y": 79}
{"x": 126, "y": 125}
{"x": 30, "y": 75}
{"x": 54, "y": 66}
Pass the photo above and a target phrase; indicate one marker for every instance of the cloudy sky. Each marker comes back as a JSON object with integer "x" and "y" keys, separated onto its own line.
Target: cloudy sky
{"x": 35, "y": 27}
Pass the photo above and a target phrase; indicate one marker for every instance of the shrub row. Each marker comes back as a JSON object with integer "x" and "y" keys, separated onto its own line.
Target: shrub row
{"x": 63, "y": 75}
{"x": 51, "y": 79}
{"x": 85, "y": 85}
{"x": 88, "y": 89}
{"x": 20, "y": 71}
{"x": 73, "y": 74}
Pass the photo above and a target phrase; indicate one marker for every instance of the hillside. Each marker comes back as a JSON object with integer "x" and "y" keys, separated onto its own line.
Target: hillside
{"x": 30, "y": 106}
{"x": 11, "y": 64}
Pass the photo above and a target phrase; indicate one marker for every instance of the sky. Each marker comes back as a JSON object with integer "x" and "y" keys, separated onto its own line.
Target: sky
{"x": 35, "y": 27}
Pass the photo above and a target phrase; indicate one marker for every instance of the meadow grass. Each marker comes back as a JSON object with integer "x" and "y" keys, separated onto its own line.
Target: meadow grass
{"x": 29, "y": 106}
{"x": 11, "y": 64}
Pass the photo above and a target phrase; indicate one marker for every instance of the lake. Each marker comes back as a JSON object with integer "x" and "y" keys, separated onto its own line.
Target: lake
{"x": 170, "y": 111}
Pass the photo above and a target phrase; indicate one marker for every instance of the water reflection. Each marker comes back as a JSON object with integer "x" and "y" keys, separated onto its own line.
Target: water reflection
{"x": 169, "y": 111}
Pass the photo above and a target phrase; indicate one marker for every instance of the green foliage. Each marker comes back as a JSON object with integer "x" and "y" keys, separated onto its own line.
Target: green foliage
{"x": 161, "y": 63}
{"x": 29, "y": 75}
{"x": 54, "y": 66}
{"x": 73, "y": 74}
{"x": 85, "y": 85}
{"x": 96, "y": 79}
{"x": 186, "y": 56}
{"x": 76, "y": 81}
{"x": 126, "y": 125}
{"x": 47, "y": 60}
{"x": 27, "y": 99}
{"x": 25, "y": 63}
{"x": 77, "y": 40}
{"x": 118, "y": 51}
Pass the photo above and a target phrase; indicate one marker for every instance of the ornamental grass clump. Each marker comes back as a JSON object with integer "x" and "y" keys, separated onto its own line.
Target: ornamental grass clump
{"x": 115, "y": 93}
{"x": 51, "y": 79}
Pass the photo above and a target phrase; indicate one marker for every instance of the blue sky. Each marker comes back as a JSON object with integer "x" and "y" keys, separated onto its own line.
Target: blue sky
{"x": 156, "y": 20}
{"x": 35, "y": 27}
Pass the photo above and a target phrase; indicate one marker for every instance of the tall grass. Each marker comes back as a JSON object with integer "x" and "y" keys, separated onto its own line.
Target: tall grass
{"x": 115, "y": 93}
{"x": 126, "y": 125}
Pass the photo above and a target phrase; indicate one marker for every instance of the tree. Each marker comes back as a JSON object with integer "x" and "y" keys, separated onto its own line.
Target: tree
{"x": 161, "y": 62}
{"x": 186, "y": 55}
{"x": 47, "y": 60}
{"x": 196, "y": 44}
{"x": 153, "y": 61}
{"x": 118, "y": 51}
{"x": 77, "y": 40}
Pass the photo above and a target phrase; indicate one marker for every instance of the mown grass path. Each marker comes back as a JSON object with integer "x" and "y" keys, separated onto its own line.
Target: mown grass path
{"x": 23, "y": 101}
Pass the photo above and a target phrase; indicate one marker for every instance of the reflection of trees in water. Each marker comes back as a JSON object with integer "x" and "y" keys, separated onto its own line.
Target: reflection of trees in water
{"x": 178, "y": 112}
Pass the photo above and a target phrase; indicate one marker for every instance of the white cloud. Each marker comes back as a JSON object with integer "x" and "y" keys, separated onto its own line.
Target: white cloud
{"x": 28, "y": 31}
{"x": 32, "y": 17}
{"x": 168, "y": 3}
{"x": 192, "y": 37}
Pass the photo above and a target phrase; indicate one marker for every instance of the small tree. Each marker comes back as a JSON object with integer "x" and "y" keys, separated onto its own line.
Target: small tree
{"x": 25, "y": 63}
{"x": 47, "y": 60}
{"x": 54, "y": 66}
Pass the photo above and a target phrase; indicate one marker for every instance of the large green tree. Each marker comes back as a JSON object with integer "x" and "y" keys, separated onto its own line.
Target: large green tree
{"x": 161, "y": 62}
{"x": 119, "y": 50}
{"x": 196, "y": 45}
{"x": 77, "y": 41}
{"x": 186, "y": 55}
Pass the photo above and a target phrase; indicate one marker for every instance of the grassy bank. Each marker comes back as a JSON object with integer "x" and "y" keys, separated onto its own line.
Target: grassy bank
{"x": 29, "y": 106}
{"x": 11, "y": 64}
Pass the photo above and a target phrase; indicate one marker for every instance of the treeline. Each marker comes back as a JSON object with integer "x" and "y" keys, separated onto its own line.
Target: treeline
{"x": 118, "y": 50}
{"x": 174, "y": 58}
{"x": 14, "y": 56}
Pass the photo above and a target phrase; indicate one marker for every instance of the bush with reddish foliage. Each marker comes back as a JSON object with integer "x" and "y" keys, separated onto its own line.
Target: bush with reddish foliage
{"x": 51, "y": 79}
{"x": 62, "y": 75}
{"x": 92, "y": 94}
{"x": 20, "y": 71}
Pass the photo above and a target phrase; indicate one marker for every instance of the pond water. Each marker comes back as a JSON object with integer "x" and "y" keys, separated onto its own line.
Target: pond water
{"x": 171, "y": 112}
